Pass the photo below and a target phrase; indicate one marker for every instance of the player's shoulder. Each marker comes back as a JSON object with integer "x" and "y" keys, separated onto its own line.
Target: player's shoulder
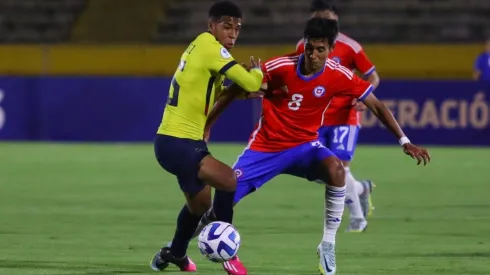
{"x": 336, "y": 70}
{"x": 281, "y": 63}
{"x": 348, "y": 42}
{"x": 210, "y": 46}
{"x": 207, "y": 39}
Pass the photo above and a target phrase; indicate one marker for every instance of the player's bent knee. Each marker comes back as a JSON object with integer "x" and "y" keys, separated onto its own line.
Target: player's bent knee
{"x": 225, "y": 183}
{"x": 333, "y": 171}
{"x": 337, "y": 173}
{"x": 230, "y": 184}
{"x": 217, "y": 174}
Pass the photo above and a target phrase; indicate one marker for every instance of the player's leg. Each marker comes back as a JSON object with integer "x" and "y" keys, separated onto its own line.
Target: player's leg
{"x": 331, "y": 171}
{"x": 222, "y": 178}
{"x": 318, "y": 162}
{"x": 342, "y": 142}
{"x": 358, "y": 199}
{"x": 176, "y": 251}
{"x": 358, "y": 192}
{"x": 243, "y": 189}
{"x": 183, "y": 157}
{"x": 253, "y": 169}
{"x": 221, "y": 196}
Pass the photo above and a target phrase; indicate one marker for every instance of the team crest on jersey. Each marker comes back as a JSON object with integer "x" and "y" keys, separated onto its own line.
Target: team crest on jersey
{"x": 336, "y": 59}
{"x": 238, "y": 173}
{"x": 319, "y": 91}
{"x": 224, "y": 53}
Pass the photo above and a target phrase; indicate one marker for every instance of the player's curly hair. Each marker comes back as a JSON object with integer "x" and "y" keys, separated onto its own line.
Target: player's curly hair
{"x": 322, "y": 28}
{"x": 322, "y": 5}
{"x": 224, "y": 8}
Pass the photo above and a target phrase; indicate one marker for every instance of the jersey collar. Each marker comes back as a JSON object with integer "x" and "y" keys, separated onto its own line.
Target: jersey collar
{"x": 298, "y": 70}
{"x": 208, "y": 32}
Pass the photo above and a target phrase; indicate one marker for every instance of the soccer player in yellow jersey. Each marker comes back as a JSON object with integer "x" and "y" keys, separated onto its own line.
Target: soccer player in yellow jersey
{"x": 179, "y": 145}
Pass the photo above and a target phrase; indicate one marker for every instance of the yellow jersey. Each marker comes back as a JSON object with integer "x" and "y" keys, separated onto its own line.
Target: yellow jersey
{"x": 197, "y": 82}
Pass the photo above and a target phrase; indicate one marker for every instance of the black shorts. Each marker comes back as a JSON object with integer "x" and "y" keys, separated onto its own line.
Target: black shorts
{"x": 182, "y": 157}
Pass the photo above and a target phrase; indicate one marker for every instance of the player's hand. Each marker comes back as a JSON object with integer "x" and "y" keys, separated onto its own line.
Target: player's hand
{"x": 246, "y": 66}
{"x": 359, "y": 105}
{"x": 255, "y": 64}
{"x": 207, "y": 133}
{"x": 418, "y": 153}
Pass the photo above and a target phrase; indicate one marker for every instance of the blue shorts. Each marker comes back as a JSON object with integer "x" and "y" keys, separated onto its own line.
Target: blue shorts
{"x": 341, "y": 140}
{"x": 253, "y": 169}
{"x": 182, "y": 158}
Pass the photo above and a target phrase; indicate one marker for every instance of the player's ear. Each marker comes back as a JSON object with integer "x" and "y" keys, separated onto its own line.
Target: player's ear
{"x": 210, "y": 25}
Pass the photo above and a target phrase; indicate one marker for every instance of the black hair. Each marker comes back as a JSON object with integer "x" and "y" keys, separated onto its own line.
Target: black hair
{"x": 322, "y": 28}
{"x": 322, "y": 5}
{"x": 224, "y": 8}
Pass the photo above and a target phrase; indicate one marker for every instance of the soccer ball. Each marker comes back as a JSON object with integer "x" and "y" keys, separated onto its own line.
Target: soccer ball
{"x": 219, "y": 242}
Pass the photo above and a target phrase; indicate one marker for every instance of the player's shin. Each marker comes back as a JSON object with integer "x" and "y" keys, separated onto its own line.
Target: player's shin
{"x": 223, "y": 205}
{"x": 351, "y": 196}
{"x": 206, "y": 219}
{"x": 334, "y": 209}
{"x": 222, "y": 178}
{"x": 186, "y": 225}
{"x": 334, "y": 198}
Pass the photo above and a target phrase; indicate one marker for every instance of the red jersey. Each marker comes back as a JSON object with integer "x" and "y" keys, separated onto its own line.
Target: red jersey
{"x": 348, "y": 53}
{"x": 293, "y": 116}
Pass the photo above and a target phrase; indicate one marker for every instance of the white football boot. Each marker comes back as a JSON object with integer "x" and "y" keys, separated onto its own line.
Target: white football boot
{"x": 326, "y": 255}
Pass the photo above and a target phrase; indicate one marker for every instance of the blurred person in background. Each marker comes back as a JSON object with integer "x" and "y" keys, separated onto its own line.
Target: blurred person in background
{"x": 482, "y": 64}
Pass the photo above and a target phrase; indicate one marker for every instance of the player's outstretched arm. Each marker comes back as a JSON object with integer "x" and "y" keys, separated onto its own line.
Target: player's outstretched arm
{"x": 372, "y": 78}
{"x": 384, "y": 114}
{"x": 251, "y": 80}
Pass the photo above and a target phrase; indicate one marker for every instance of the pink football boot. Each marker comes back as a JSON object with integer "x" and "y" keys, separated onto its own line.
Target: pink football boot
{"x": 235, "y": 267}
{"x": 189, "y": 267}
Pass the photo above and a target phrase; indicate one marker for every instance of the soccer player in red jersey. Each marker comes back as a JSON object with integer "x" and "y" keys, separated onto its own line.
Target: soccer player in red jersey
{"x": 286, "y": 139}
{"x": 341, "y": 125}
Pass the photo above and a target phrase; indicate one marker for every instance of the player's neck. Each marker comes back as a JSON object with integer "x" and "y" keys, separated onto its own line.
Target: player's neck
{"x": 307, "y": 70}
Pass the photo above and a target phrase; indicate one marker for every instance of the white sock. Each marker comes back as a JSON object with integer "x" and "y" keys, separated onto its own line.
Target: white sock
{"x": 359, "y": 188}
{"x": 352, "y": 196}
{"x": 334, "y": 208}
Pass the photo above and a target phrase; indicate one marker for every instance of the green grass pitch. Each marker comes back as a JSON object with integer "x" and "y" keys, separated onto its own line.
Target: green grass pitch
{"x": 106, "y": 209}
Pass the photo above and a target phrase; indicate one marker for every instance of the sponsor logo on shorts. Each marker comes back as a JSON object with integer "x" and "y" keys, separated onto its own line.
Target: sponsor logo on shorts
{"x": 238, "y": 173}
{"x": 319, "y": 91}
